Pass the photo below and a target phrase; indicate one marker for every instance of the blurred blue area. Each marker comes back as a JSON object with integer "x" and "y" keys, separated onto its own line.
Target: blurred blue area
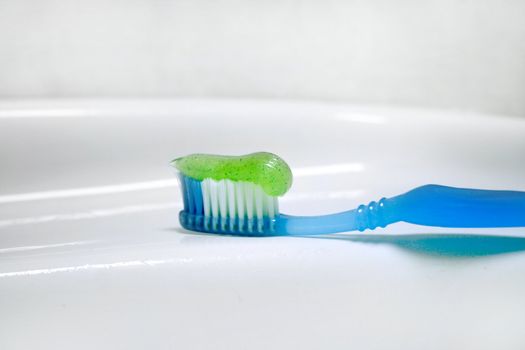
{"x": 450, "y": 245}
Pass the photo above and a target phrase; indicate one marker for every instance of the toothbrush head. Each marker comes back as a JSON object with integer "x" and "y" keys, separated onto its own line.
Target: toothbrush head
{"x": 235, "y": 195}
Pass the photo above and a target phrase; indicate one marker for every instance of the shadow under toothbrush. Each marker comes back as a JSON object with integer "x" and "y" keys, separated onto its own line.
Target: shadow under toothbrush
{"x": 445, "y": 245}
{"x": 449, "y": 245}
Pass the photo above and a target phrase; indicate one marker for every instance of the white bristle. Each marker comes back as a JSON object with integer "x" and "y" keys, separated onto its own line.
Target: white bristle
{"x": 222, "y": 194}
{"x": 230, "y": 186}
{"x": 239, "y": 196}
{"x": 214, "y": 198}
{"x": 248, "y": 198}
{"x": 270, "y": 206}
{"x": 258, "y": 196}
{"x": 242, "y": 200}
{"x": 205, "y": 189}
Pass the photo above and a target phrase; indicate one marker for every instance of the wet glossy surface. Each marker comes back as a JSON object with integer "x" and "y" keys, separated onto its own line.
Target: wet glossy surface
{"x": 92, "y": 255}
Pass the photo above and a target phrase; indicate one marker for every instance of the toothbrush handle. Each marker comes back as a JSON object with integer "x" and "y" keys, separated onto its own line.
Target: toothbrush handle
{"x": 435, "y": 205}
{"x": 429, "y": 205}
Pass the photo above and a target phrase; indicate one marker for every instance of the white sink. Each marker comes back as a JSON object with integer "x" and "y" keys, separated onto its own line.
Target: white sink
{"x": 92, "y": 255}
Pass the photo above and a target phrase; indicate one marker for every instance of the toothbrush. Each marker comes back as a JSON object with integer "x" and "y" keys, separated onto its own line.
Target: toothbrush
{"x": 238, "y": 195}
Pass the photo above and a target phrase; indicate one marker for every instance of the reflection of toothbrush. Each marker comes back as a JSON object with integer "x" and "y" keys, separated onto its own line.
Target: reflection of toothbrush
{"x": 238, "y": 195}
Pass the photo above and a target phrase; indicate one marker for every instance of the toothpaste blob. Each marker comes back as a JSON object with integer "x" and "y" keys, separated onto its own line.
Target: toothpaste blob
{"x": 262, "y": 168}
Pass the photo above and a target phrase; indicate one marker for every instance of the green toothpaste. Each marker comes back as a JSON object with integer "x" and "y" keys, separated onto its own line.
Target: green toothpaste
{"x": 264, "y": 169}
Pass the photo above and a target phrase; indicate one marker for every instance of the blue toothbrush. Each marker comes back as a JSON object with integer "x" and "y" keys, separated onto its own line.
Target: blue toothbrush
{"x": 238, "y": 195}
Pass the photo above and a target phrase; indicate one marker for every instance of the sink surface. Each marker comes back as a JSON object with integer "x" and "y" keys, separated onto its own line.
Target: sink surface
{"x": 92, "y": 254}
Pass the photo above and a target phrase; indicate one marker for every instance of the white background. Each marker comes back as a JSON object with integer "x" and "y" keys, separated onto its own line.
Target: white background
{"x": 451, "y": 54}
